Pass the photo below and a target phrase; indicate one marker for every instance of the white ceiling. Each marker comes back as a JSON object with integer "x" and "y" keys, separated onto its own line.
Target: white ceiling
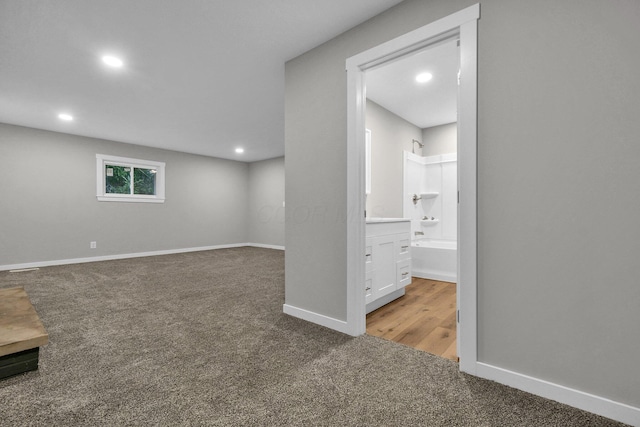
{"x": 394, "y": 86}
{"x": 200, "y": 76}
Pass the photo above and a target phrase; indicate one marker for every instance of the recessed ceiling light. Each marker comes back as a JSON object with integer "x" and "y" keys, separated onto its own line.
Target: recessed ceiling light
{"x": 112, "y": 61}
{"x": 65, "y": 117}
{"x": 239, "y": 150}
{"x": 424, "y": 77}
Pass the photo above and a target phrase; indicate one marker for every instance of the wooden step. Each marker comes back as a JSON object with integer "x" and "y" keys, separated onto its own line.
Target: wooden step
{"x": 21, "y": 333}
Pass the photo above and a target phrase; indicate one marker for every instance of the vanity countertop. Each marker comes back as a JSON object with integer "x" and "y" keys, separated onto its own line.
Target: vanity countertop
{"x": 381, "y": 220}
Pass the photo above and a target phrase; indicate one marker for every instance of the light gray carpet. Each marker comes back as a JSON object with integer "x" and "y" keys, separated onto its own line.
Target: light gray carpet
{"x": 200, "y": 339}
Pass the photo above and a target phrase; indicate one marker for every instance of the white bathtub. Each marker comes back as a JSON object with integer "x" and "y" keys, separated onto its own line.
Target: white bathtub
{"x": 434, "y": 259}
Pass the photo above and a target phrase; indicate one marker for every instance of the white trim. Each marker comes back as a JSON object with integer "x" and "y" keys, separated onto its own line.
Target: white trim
{"x": 572, "y": 397}
{"x": 356, "y": 198}
{"x": 117, "y": 256}
{"x": 262, "y": 245}
{"x": 467, "y": 283}
{"x": 463, "y": 24}
{"x": 102, "y": 196}
{"x": 319, "y": 319}
{"x": 126, "y": 198}
{"x": 415, "y": 40}
{"x": 434, "y": 275}
{"x": 376, "y": 304}
{"x": 367, "y": 159}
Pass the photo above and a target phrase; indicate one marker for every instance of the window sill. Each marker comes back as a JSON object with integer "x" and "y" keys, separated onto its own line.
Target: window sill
{"x": 130, "y": 199}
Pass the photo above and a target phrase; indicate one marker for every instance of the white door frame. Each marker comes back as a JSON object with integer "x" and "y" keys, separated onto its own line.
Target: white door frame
{"x": 464, "y": 25}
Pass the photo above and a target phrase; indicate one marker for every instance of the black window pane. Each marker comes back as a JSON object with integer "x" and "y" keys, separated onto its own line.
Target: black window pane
{"x": 144, "y": 181}
{"x": 117, "y": 179}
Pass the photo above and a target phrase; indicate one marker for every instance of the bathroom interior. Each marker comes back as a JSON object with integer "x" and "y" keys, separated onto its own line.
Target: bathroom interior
{"x": 411, "y": 203}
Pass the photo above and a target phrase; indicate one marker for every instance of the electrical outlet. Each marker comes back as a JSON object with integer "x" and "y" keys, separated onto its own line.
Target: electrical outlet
{"x": 92, "y": 245}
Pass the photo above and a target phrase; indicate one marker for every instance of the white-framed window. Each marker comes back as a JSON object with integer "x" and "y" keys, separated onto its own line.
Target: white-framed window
{"x": 121, "y": 179}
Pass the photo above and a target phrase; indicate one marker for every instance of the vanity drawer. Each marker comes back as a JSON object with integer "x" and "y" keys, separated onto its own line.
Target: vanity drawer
{"x": 368, "y": 255}
{"x": 403, "y": 251}
{"x": 403, "y": 273}
{"x": 368, "y": 287}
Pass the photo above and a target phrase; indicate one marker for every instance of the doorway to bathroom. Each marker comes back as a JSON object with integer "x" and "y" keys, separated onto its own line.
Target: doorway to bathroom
{"x": 411, "y": 121}
{"x": 463, "y": 25}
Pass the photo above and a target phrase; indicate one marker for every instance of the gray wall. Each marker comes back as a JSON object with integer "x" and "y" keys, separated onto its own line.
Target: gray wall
{"x": 390, "y": 136}
{"x": 50, "y": 211}
{"x": 558, "y": 234}
{"x": 266, "y": 195}
{"x": 441, "y": 139}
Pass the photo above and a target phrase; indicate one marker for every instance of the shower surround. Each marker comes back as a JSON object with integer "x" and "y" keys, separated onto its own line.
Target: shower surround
{"x": 430, "y": 201}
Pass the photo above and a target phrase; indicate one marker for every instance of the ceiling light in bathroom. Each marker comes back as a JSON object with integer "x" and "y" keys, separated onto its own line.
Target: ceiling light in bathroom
{"x": 112, "y": 61}
{"x": 424, "y": 77}
{"x": 239, "y": 150}
{"x": 66, "y": 117}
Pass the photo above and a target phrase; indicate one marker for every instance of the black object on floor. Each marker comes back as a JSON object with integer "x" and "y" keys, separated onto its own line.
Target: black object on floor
{"x": 18, "y": 363}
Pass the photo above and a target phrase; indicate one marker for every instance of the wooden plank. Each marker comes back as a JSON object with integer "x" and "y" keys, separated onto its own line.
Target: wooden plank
{"x": 413, "y": 333}
{"x": 390, "y": 318}
{"x": 438, "y": 341}
{"x": 20, "y": 326}
{"x": 425, "y": 318}
{"x": 449, "y": 322}
{"x": 418, "y": 327}
{"x": 450, "y": 352}
{"x": 411, "y": 305}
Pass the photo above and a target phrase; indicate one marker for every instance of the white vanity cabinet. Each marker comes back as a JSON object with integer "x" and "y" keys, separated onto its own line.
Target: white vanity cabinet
{"x": 387, "y": 260}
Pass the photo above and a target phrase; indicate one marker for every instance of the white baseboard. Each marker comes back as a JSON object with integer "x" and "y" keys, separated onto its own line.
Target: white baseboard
{"x": 374, "y": 305}
{"x": 318, "y": 319}
{"x": 120, "y": 256}
{"x": 576, "y": 398}
{"x": 262, "y": 245}
{"x": 434, "y": 275}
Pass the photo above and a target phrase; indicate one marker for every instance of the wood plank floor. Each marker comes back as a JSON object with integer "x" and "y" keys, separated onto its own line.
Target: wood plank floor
{"x": 424, "y": 318}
